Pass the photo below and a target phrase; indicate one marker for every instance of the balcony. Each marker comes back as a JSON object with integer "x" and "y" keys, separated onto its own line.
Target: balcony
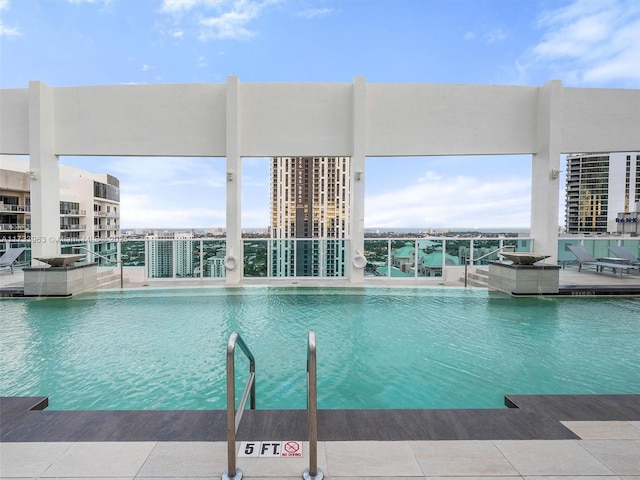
{"x": 15, "y": 227}
{"x": 101, "y": 214}
{"x": 73, "y": 227}
{"x": 15, "y": 208}
{"x": 106, "y": 227}
{"x": 76, "y": 213}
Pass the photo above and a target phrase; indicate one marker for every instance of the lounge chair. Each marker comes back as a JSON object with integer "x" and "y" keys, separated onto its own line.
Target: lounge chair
{"x": 585, "y": 258}
{"x": 9, "y": 257}
{"x": 622, "y": 252}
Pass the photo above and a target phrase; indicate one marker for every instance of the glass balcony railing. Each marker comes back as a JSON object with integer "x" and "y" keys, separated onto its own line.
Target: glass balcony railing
{"x": 15, "y": 208}
{"x": 326, "y": 259}
{"x": 15, "y": 227}
{"x": 73, "y": 227}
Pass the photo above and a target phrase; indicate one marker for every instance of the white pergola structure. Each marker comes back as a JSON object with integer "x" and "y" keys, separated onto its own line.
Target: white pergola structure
{"x": 357, "y": 120}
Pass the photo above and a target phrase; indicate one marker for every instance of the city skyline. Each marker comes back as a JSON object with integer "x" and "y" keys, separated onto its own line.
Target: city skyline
{"x": 97, "y": 42}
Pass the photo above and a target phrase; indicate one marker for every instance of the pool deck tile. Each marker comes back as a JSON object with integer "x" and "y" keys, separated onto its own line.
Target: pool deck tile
{"x": 604, "y": 430}
{"x": 409, "y": 460}
{"x": 551, "y": 457}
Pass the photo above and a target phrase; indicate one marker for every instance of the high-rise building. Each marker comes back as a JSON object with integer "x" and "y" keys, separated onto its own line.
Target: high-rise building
{"x": 310, "y": 198}
{"x": 89, "y": 206}
{"x": 599, "y": 186}
{"x": 164, "y": 248}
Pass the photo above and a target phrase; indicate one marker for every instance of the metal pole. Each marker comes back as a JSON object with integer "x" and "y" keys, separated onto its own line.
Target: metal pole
{"x": 231, "y": 412}
{"x": 313, "y": 473}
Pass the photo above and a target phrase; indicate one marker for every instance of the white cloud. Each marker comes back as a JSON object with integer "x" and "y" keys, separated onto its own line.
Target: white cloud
{"x": 6, "y": 30}
{"x": 494, "y": 36}
{"x": 315, "y": 13}
{"x": 172, "y": 6}
{"x": 591, "y": 43}
{"x": 452, "y": 202}
{"x": 215, "y": 19}
{"x": 142, "y": 211}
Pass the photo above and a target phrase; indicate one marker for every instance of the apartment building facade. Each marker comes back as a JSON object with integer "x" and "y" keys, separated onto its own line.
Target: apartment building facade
{"x": 599, "y": 187}
{"x": 310, "y": 199}
{"x": 168, "y": 252}
{"x": 89, "y": 206}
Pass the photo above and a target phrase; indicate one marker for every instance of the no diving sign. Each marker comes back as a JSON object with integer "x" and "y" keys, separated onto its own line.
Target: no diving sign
{"x": 285, "y": 449}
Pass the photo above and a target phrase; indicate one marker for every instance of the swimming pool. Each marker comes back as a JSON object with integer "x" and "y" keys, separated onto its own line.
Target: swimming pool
{"x": 376, "y": 347}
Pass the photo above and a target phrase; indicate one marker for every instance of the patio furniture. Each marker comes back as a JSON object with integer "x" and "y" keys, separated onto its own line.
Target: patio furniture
{"x": 622, "y": 252}
{"x": 9, "y": 257}
{"x": 585, "y": 258}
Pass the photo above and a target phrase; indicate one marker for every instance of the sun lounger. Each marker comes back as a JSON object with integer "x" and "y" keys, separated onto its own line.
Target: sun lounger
{"x": 622, "y": 252}
{"x": 9, "y": 257}
{"x": 585, "y": 258}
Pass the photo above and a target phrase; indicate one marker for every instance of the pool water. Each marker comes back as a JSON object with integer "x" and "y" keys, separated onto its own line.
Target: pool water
{"x": 376, "y": 347}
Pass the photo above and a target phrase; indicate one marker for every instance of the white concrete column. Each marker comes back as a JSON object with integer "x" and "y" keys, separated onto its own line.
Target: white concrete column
{"x": 545, "y": 171}
{"x": 234, "y": 181}
{"x": 45, "y": 175}
{"x": 358, "y": 177}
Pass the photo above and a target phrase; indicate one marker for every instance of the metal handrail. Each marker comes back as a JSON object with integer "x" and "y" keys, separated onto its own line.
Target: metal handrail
{"x": 233, "y": 416}
{"x": 471, "y": 260}
{"x": 108, "y": 260}
{"x": 313, "y": 472}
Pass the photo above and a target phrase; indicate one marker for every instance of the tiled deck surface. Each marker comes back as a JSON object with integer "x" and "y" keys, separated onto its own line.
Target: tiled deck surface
{"x": 601, "y": 448}
{"x": 607, "y": 450}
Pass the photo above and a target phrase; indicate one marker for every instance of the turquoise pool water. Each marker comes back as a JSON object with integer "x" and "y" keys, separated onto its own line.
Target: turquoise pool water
{"x": 376, "y": 347}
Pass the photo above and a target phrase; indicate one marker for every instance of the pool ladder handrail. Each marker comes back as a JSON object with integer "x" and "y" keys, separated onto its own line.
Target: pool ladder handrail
{"x": 233, "y": 416}
{"x": 313, "y": 472}
{"x": 471, "y": 261}
{"x": 108, "y": 260}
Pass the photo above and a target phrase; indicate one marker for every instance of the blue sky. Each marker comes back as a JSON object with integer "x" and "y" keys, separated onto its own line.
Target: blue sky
{"x": 505, "y": 42}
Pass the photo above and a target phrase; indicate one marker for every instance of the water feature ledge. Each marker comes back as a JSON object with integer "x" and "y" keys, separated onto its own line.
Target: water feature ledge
{"x": 60, "y": 281}
{"x": 522, "y": 279}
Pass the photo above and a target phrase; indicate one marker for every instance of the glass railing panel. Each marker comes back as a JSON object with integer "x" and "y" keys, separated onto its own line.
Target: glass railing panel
{"x": 430, "y": 258}
{"x": 632, "y": 245}
{"x": 598, "y": 247}
{"x": 256, "y": 258}
{"x": 334, "y": 258}
{"x": 377, "y": 254}
{"x": 521, "y": 244}
{"x": 565, "y": 256}
{"x": 24, "y": 259}
{"x": 401, "y": 253}
{"x": 76, "y": 247}
{"x": 458, "y": 250}
{"x": 160, "y": 259}
{"x": 282, "y": 258}
{"x": 187, "y": 258}
{"x": 308, "y": 258}
{"x": 133, "y": 253}
{"x": 484, "y": 247}
{"x": 213, "y": 253}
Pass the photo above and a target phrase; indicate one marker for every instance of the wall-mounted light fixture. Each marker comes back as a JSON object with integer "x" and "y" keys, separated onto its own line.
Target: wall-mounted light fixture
{"x": 32, "y": 174}
{"x": 555, "y": 173}
{"x": 229, "y": 176}
{"x": 359, "y": 175}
